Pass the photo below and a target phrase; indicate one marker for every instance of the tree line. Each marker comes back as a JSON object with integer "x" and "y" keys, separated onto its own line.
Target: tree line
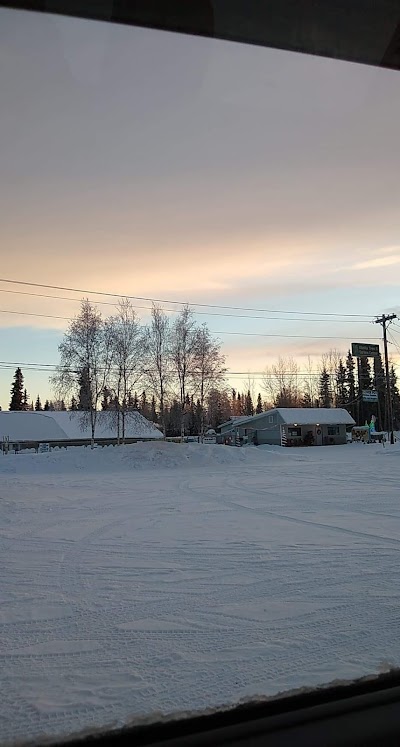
{"x": 173, "y": 372}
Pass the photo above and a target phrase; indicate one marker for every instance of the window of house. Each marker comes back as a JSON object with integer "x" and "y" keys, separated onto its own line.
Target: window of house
{"x": 293, "y": 432}
{"x": 271, "y": 418}
{"x": 333, "y": 430}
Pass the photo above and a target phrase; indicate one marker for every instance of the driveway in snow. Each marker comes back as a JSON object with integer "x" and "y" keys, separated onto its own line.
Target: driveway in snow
{"x": 161, "y": 577}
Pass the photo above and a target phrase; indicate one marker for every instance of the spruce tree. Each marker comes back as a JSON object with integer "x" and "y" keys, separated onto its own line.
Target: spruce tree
{"x": 144, "y": 407}
{"x": 325, "y": 392}
{"x": 38, "y": 404}
{"x": 365, "y": 375}
{"x": 248, "y": 404}
{"x": 62, "y": 406}
{"x": 351, "y": 403}
{"x": 17, "y": 391}
{"x": 74, "y": 404}
{"x": 259, "y": 407}
{"x": 46, "y": 405}
{"x": 85, "y": 396}
{"x": 341, "y": 385}
{"x": 105, "y": 402}
{"x": 25, "y": 401}
{"x": 153, "y": 410}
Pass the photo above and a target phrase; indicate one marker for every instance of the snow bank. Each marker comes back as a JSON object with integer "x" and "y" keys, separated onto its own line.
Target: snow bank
{"x": 139, "y": 456}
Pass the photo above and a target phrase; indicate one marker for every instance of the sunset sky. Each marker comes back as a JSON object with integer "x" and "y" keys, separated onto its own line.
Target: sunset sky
{"x": 174, "y": 167}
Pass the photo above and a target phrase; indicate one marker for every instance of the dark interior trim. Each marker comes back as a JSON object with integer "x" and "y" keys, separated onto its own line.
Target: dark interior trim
{"x": 365, "y": 31}
{"x": 365, "y": 712}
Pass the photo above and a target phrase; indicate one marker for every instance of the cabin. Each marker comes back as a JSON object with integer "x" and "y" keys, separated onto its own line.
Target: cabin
{"x": 290, "y": 426}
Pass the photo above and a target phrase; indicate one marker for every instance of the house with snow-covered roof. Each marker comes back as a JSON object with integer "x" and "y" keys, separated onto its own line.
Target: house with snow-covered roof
{"x": 291, "y": 426}
{"x": 21, "y": 430}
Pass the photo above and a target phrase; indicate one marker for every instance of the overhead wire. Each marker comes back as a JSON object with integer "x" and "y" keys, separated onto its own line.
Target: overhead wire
{"x": 179, "y": 303}
{"x": 202, "y": 313}
{"x": 214, "y": 332}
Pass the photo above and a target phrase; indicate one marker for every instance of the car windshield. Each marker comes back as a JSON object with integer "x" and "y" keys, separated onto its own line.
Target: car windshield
{"x": 200, "y": 343}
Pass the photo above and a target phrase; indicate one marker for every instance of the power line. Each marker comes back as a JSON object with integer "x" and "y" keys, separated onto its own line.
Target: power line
{"x": 307, "y": 337}
{"x": 178, "y": 303}
{"x": 51, "y": 367}
{"x": 242, "y": 334}
{"x": 203, "y": 313}
{"x": 29, "y": 313}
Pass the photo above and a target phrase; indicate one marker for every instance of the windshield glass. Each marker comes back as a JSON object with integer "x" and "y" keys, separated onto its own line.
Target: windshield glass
{"x": 199, "y": 474}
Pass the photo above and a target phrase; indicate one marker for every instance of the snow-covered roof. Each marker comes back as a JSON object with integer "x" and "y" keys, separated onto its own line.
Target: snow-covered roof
{"x": 300, "y": 415}
{"x": 311, "y": 415}
{"x": 29, "y": 426}
{"x": 61, "y": 426}
{"x": 136, "y": 426}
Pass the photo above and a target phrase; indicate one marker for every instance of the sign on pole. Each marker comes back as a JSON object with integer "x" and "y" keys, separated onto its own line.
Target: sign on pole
{"x": 370, "y": 395}
{"x": 364, "y": 350}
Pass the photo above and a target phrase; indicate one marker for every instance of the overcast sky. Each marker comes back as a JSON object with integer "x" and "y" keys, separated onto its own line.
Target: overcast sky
{"x": 175, "y": 167}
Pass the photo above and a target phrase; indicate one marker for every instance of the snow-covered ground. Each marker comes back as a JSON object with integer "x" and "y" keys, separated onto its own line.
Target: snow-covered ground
{"x": 164, "y": 577}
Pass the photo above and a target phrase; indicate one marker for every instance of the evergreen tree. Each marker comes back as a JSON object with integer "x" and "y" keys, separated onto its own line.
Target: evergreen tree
{"x": 351, "y": 403}
{"x": 248, "y": 404}
{"x": 51, "y": 406}
{"x": 31, "y": 407}
{"x": 135, "y": 404}
{"x": 239, "y": 405}
{"x": 365, "y": 409}
{"x": 365, "y": 375}
{"x": 105, "y": 402}
{"x": 46, "y": 405}
{"x": 17, "y": 391}
{"x": 259, "y": 407}
{"x": 62, "y": 406}
{"x": 74, "y": 404}
{"x": 341, "y": 385}
{"x": 25, "y": 401}
{"x": 84, "y": 396}
{"x": 38, "y": 404}
{"x": 325, "y": 392}
{"x": 144, "y": 407}
{"x": 153, "y": 410}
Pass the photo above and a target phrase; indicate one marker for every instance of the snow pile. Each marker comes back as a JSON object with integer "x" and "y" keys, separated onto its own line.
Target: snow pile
{"x": 139, "y": 456}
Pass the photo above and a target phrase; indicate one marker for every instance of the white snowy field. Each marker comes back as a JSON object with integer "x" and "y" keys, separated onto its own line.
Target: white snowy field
{"x": 163, "y": 577}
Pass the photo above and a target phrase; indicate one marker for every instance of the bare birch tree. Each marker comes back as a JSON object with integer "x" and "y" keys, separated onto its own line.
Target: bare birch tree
{"x": 87, "y": 348}
{"x": 183, "y": 354}
{"x": 281, "y": 382}
{"x": 310, "y": 385}
{"x": 127, "y": 345}
{"x": 157, "y": 358}
{"x": 208, "y": 368}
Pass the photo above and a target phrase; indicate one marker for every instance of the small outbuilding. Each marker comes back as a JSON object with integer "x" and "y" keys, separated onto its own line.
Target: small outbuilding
{"x": 290, "y": 426}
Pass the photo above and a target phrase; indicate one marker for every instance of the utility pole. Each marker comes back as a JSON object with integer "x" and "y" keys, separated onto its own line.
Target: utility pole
{"x": 383, "y": 321}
